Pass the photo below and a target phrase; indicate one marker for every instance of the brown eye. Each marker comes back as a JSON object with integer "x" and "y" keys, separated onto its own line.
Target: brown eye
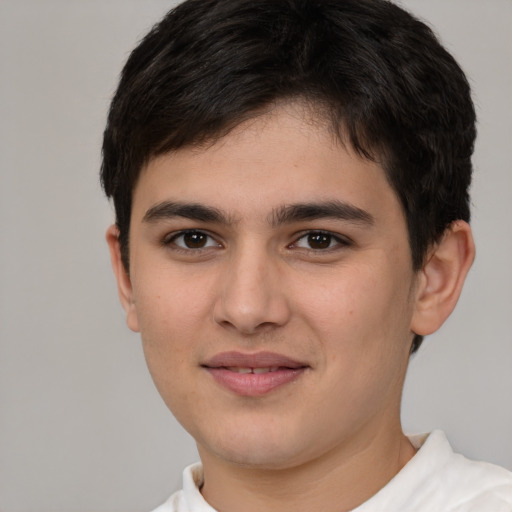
{"x": 195, "y": 240}
{"x": 319, "y": 240}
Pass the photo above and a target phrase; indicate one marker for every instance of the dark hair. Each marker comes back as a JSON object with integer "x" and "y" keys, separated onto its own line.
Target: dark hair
{"x": 379, "y": 75}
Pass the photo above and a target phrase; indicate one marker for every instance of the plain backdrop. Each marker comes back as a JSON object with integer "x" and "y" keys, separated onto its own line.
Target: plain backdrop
{"x": 81, "y": 425}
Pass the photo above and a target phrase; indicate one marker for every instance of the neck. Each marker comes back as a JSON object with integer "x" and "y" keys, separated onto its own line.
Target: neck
{"x": 337, "y": 481}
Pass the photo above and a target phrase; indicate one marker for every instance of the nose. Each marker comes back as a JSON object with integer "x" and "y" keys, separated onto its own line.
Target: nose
{"x": 252, "y": 298}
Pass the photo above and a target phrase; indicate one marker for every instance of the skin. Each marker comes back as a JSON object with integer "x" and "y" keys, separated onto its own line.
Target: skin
{"x": 346, "y": 308}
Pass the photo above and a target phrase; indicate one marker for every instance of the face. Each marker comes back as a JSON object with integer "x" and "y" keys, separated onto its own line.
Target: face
{"x": 271, "y": 280}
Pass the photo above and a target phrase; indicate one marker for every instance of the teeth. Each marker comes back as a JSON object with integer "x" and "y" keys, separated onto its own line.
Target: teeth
{"x": 238, "y": 369}
{"x": 265, "y": 370}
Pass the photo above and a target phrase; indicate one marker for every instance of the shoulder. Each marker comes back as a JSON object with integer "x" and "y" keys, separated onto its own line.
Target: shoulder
{"x": 459, "y": 484}
{"x": 494, "y": 499}
{"x": 477, "y": 486}
{"x": 439, "y": 479}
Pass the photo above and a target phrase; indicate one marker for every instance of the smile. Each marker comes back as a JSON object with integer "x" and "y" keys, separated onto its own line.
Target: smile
{"x": 252, "y": 370}
{"x": 253, "y": 375}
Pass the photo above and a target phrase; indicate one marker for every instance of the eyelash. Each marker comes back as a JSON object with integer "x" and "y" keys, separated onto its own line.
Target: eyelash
{"x": 338, "y": 241}
{"x": 170, "y": 240}
{"x": 334, "y": 241}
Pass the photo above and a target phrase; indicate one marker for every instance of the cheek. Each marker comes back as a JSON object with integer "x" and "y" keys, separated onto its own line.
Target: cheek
{"x": 362, "y": 323}
{"x": 171, "y": 311}
{"x": 170, "y": 303}
{"x": 364, "y": 308}
{"x": 168, "y": 328}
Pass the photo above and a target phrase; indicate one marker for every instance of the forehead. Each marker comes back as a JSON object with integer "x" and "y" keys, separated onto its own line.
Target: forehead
{"x": 283, "y": 156}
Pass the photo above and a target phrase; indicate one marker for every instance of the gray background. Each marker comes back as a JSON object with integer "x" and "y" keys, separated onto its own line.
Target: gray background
{"x": 81, "y": 426}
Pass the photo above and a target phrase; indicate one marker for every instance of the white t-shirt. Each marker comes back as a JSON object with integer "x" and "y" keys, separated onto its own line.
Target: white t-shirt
{"x": 435, "y": 480}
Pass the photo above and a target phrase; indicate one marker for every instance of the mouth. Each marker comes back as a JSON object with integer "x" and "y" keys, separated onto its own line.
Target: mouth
{"x": 253, "y": 370}
{"x": 253, "y": 374}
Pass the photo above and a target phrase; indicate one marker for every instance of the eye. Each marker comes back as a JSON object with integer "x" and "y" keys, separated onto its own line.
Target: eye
{"x": 192, "y": 240}
{"x": 320, "y": 240}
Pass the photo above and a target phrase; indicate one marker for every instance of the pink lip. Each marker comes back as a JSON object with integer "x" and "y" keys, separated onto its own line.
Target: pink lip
{"x": 284, "y": 370}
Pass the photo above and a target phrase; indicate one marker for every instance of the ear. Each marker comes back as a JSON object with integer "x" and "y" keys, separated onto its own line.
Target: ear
{"x": 124, "y": 285}
{"x": 440, "y": 281}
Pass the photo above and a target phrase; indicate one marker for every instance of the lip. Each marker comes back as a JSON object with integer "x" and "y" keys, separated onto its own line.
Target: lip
{"x": 234, "y": 371}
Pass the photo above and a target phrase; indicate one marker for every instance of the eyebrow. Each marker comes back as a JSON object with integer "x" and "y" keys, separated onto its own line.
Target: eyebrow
{"x": 283, "y": 215}
{"x": 193, "y": 211}
{"x": 337, "y": 210}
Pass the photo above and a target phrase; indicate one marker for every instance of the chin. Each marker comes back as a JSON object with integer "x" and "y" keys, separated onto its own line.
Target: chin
{"x": 259, "y": 458}
{"x": 261, "y": 451}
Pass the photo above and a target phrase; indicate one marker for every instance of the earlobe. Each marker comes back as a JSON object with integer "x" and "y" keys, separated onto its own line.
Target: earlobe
{"x": 124, "y": 285}
{"x": 441, "y": 279}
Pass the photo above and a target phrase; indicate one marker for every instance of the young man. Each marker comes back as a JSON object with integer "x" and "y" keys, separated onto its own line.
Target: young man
{"x": 290, "y": 179}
